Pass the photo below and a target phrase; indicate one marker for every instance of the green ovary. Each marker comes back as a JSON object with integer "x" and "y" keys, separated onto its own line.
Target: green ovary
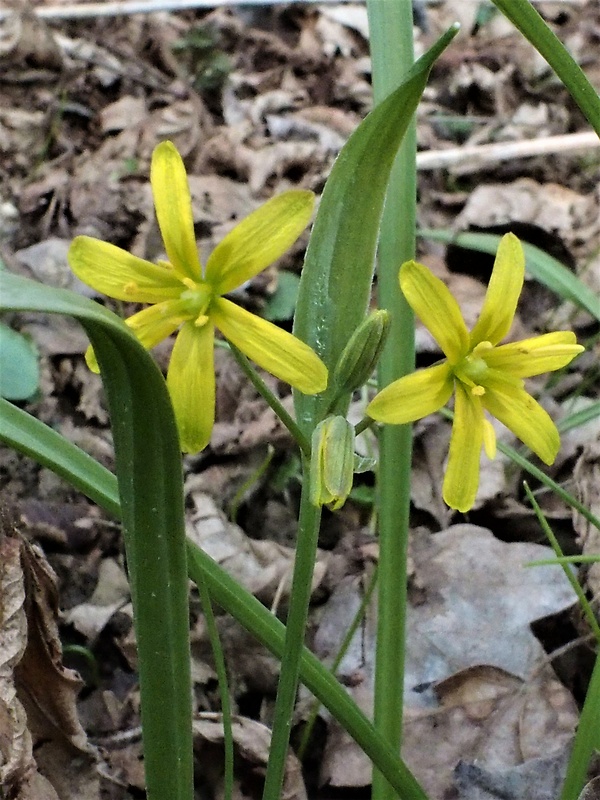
{"x": 196, "y": 301}
{"x": 472, "y": 371}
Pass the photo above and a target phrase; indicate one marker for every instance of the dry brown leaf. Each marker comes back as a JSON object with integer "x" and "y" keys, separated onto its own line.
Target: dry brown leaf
{"x": 16, "y": 761}
{"x": 252, "y": 741}
{"x": 492, "y": 718}
{"x": 48, "y": 690}
{"x": 37, "y": 694}
{"x": 591, "y": 791}
{"x": 550, "y": 206}
{"x": 111, "y": 594}
{"x": 586, "y": 476}
{"x": 537, "y": 779}
{"x": 471, "y": 616}
{"x": 263, "y": 567}
{"x": 126, "y": 112}
{"x": 27, "y": 41}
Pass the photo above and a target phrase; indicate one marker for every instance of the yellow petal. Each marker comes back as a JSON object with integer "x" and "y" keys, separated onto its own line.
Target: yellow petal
{"x": 502, "y": 293}
{"x": 174, "y": 210}
{"x": 272, "y": 348}
{"x": 462, "y": 473}
{"x": 155, "y": 323}
{"x": 523, "y": 415}
{"x": 191, "y": 382}
{"x": 261, "y": 238}
{"x": 536, "y": 355}
{"x": 91, "y": 360}
{"x": 413, "y": 397}
{"x": 437, "y": 309}
{"x": 115, "y": 272}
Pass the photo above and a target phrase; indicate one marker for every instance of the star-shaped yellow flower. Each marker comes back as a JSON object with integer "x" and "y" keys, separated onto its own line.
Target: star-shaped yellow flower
{"x": 188, "y": 298}
{"x": 482, "y": 375}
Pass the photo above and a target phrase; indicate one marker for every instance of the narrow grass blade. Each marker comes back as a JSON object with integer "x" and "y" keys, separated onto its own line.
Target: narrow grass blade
{"x": 560, "y": 559}
{"x": 151, "y": 489}
{"x": 541, "y": 266}
{"x": 99, "y": 484}
{"x": 525, "y": 17}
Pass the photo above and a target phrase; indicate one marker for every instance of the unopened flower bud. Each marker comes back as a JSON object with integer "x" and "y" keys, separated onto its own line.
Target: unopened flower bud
{"x": 332, "y": 462}
{"x": 362, "y": 352}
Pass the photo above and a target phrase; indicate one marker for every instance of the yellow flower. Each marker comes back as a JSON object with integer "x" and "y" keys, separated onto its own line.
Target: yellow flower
{"x": 482, "y": 375}
{"x": 188, "y": 298}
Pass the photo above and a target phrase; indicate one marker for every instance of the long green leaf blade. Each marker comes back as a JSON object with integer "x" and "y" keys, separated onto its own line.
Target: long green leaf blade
{"x": 338, "y": 271}
{"x": 151, "y": 488}
{"x": 98, "y": 483}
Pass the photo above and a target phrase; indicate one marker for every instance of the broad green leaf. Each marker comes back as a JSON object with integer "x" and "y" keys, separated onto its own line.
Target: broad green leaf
{"x": 22, "y": 431}
{"x": 19, "y": 370}
{"x": 539, "y": 265}
{"x": 148, "y": 464}
{"x": 338, "y": 271}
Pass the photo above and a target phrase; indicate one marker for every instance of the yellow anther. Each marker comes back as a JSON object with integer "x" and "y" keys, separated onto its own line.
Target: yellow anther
{"x": 478, "y": 391}
{"x": 482, "y": 347}
{"x": 131, "y": 287}
{"x": 201, "y": 320}
{"x": 189, "y": 283}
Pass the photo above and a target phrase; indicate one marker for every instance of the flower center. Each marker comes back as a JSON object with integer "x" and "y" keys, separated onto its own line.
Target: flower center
{"x": 472, "y": 369}
{"x": 197, "y": 299}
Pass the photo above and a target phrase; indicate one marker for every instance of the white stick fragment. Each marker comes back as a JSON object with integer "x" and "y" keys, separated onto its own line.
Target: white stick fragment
{"x": 478, "y": 155}
{"x": 115, "y": 8}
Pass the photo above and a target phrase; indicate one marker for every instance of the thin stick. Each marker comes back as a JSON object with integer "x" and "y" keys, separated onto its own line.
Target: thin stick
{"x": 477, "y": 156}
{"x": 117, "y": 8}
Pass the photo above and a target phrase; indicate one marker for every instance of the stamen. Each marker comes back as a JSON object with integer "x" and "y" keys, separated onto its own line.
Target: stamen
{"x": 189, "y": 283}
{"x": 478, "y": 391}
{"x": 201, "y": 320}
{"x": 131, "y": 287}
{"x": 489, "y": 439}
{"x": 482, "y": 347}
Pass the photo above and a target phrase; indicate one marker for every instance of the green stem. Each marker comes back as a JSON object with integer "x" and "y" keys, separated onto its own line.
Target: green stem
{"x": 360, "y": 613}
{"x": 391, "y": 27}
{"x": 363, "y": 425}
{"x": 542, "y": 562}
{"x": 568, "y": 498}
{"x": 306, "y": 551}
{"x": 587, "y": 739}
{"x": 221, "y": 670}
{"x": 262, "y": 388}
{"x": 570, "y": 575}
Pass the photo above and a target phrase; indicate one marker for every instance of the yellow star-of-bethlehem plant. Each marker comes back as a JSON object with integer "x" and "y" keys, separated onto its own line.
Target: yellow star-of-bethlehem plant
{"x": 186, "y": 297}
{"x": 483, "y": 375}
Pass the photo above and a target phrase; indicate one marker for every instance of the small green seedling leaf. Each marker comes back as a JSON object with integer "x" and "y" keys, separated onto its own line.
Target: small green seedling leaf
{"x": 19, "y": 369}
{"x": 282, "y": 304}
